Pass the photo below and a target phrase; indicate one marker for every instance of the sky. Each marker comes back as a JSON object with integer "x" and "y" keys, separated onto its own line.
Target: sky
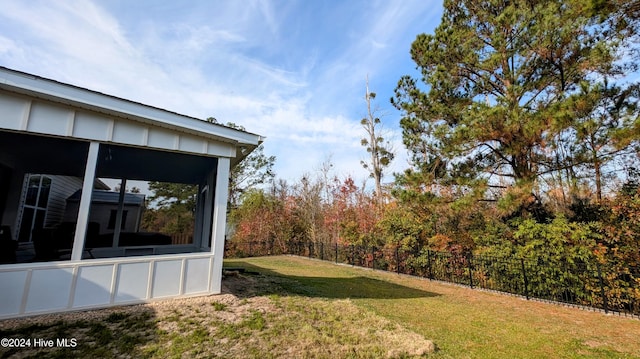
{"x": 292, "y": 71}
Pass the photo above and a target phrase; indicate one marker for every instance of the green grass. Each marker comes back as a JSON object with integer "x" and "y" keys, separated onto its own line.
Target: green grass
{"x": 463, "y": 323}
{"x": 290, "y": 307}
{"x": 219, "y": 306}
{"x": 102, "y": 337}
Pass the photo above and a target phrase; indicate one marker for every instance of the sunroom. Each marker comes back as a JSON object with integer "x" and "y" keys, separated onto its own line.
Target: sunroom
{"x": 68, "y": 241}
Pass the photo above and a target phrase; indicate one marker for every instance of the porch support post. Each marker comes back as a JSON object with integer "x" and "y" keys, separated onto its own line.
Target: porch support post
{"x": 116, "y": 231}
{"x": 85, "y": 201}
{"x": 219, "y": 221}
{"x": 207, "y": 211}
{"x": 198, "y": 229}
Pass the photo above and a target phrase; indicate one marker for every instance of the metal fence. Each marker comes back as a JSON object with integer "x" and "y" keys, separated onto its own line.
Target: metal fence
{"x": 591, "y": 285}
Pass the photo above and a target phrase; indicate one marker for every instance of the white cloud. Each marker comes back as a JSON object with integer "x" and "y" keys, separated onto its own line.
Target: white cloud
{"x": 7, "y": 45}
{"x": 378, "y": 45}
{"x": 267, "y": 13}
{"x": 11, "y": 50}
{"x": 230, "y": 60}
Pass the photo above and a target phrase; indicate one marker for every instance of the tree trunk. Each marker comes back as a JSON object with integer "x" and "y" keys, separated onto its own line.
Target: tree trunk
{"x": 598, "y": 170}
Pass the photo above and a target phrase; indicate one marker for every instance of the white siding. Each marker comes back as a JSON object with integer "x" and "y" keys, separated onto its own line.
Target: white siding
{"x": 129, "y": 133}
{"x": 49, "y": 289}
{"x": 13, "y": 284}
{"x": 62, "y": 286}
{"x": 196, "y": 270}
{"x": 92, "y": 126}
{"x": 100, "y": 213}
{"x": 133, "y": 282}
{"x": 61, "y": 188}
{"x": 49, "y": 118}
{"x": 32, "y": 105}
{"x": 93, "y": 286}
{"x": 14, "y": 112}
{"x": 167, "y": 279}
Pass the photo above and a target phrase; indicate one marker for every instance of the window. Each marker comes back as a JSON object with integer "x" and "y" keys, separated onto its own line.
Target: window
{"x": 35, "y": 206}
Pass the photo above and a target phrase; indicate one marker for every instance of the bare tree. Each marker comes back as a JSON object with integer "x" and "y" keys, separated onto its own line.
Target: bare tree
{"x": 380, "y": 151}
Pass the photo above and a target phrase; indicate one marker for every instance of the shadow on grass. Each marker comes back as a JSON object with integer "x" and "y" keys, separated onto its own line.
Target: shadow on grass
{"x": 99, "y": 333}
{"x": 103, "y": 333}
{"x": 265, "y": 282}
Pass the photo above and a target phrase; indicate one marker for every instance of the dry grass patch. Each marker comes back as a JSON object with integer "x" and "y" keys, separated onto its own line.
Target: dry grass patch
{"x": 338, "y": 329}
{"x": 300, "y": 308}
{"x": 256, "y": 318}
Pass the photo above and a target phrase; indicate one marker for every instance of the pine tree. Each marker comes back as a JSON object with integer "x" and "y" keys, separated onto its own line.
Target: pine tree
{"x": 498, "y": 76}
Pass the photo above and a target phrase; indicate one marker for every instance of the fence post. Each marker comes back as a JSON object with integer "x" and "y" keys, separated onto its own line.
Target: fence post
{"x": 250, "y": 249}
{"x": 336, "y": 252}
{"x": 397, "y": 260}
{"x": 353, "y": 255}
{"x": 429, "y": 263}
{"x": 602, "y": 292}
{"x": 373, "y": 257}
{"x": 524, "y": 276}
{"x": 469, "y": 257}
{"x": 321, "y": 251}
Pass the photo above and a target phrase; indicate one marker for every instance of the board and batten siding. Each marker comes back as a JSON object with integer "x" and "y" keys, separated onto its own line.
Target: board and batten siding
{"x": 34, "y": 105}
{"x": 24, "y": 114}
{"x": 40, "y": 288}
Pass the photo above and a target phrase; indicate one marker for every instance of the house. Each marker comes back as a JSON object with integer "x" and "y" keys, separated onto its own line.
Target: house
{"x": 104, "y": 210}
{"x": 43, "y": 202}
{"x": 51, "y": 130}
{"x": 42, "y": 206}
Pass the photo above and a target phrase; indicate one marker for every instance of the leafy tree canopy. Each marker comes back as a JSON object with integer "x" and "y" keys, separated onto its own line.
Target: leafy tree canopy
{"x": 497, "y": 84}
{"x": 254, "y": 170}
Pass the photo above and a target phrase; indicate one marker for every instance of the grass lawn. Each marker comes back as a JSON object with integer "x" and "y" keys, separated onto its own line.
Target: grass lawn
{"x": 460, "y": 321}
{"x": 290, "y": 307}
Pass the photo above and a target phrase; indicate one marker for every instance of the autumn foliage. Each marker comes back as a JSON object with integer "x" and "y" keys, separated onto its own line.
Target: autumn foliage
{"x": 523, "y": 138}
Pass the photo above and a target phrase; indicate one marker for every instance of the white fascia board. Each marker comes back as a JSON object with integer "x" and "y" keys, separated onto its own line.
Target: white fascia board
{"x": 52, "y": 90}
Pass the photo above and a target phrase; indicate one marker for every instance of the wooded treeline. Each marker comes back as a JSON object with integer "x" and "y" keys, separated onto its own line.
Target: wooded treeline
{"x": 523, "y": 137}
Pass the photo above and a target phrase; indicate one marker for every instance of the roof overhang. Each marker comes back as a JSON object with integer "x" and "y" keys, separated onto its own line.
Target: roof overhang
{"x": 115, "y": 108}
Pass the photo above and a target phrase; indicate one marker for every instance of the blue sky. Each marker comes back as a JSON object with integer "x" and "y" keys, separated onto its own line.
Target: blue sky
{"x": 293, "y": 71}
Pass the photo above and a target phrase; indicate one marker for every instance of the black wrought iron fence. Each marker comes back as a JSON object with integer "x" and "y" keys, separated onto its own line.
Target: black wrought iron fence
{"x": 592, "y": 285}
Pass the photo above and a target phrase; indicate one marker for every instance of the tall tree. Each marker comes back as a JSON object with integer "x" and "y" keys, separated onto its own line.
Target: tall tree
{"x": 498, "y": 76}
{"x": 605, "y": 113}
{"x": 173, "y": 209}
{"x": 380, "y": 152}
{"x": 309, "y": 210}
{"x": 174, "y": 195}
{"x": 254, "y": 170}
